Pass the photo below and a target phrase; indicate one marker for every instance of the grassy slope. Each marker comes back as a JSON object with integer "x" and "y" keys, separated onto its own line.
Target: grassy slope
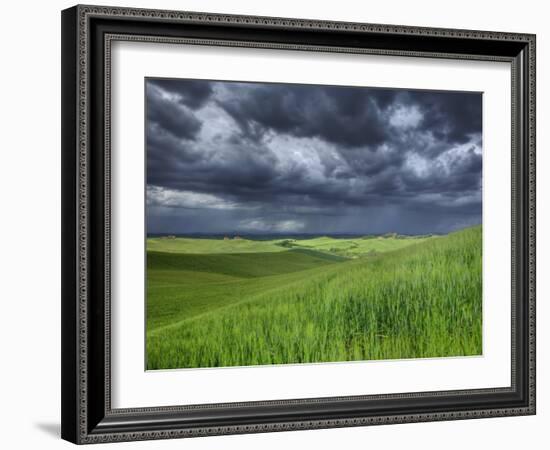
{"x": 420, "y": 301}
{"x": 181, "y": 286}
{"x": 243, "y": 265}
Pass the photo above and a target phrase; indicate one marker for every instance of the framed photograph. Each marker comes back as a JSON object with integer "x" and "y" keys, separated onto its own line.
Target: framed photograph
{"x": 278, "y": 224}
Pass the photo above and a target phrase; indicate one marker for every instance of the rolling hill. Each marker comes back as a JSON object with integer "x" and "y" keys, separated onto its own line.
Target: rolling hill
{"x": 308, "y": 303}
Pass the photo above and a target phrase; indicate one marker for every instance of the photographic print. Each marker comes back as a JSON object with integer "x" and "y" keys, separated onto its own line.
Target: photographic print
{"x": 276, "y": 224}
{"x": 299, "y": 223}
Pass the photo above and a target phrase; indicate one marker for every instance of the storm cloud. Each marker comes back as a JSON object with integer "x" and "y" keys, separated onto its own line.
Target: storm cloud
{"x": 285, "y": 158}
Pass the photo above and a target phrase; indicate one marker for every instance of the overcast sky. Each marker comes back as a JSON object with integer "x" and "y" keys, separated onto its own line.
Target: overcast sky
{"x": 234, "y": 157}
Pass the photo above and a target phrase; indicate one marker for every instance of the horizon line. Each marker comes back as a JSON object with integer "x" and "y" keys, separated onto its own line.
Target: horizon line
{"x": 282, "y": 234}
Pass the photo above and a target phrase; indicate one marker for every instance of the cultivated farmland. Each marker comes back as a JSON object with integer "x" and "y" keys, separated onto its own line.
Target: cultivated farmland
{"x": 239, "y": 302}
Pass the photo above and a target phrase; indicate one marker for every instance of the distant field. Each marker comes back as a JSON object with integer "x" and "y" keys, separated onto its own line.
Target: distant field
{"x": 238, "y": 302}
{"x": 358, "y": 246}
{"x": 348, "y": 247}
{"x": 190, "y": 245}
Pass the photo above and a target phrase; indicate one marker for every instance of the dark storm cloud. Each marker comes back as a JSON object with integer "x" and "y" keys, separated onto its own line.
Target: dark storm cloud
{"x": 278, "y": 157}
{"x": 191, "y": 93}
{"x": 452, "y": 116}
{"x": 347, "y": 115}
{"x": 461, "y": 176}
{"x": 339, "y": 115}
{"x": 169, "y": 117}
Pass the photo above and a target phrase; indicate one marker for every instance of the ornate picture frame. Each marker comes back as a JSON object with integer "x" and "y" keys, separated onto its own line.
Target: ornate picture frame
{"x": 88, "y": 33}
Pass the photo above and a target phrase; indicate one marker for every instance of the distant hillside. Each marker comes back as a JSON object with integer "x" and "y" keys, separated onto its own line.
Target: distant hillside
{"x": 342, "y": 247}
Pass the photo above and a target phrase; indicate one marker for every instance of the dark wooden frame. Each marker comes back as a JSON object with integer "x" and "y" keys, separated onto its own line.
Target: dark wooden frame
{"x": 87, "y": 32}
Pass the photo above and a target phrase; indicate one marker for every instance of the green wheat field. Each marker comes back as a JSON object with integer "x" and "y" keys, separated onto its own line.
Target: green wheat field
{"x": 239, "y": 302}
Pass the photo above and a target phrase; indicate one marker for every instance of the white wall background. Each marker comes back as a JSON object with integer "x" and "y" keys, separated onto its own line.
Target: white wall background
{"x": 30, "y": 225}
